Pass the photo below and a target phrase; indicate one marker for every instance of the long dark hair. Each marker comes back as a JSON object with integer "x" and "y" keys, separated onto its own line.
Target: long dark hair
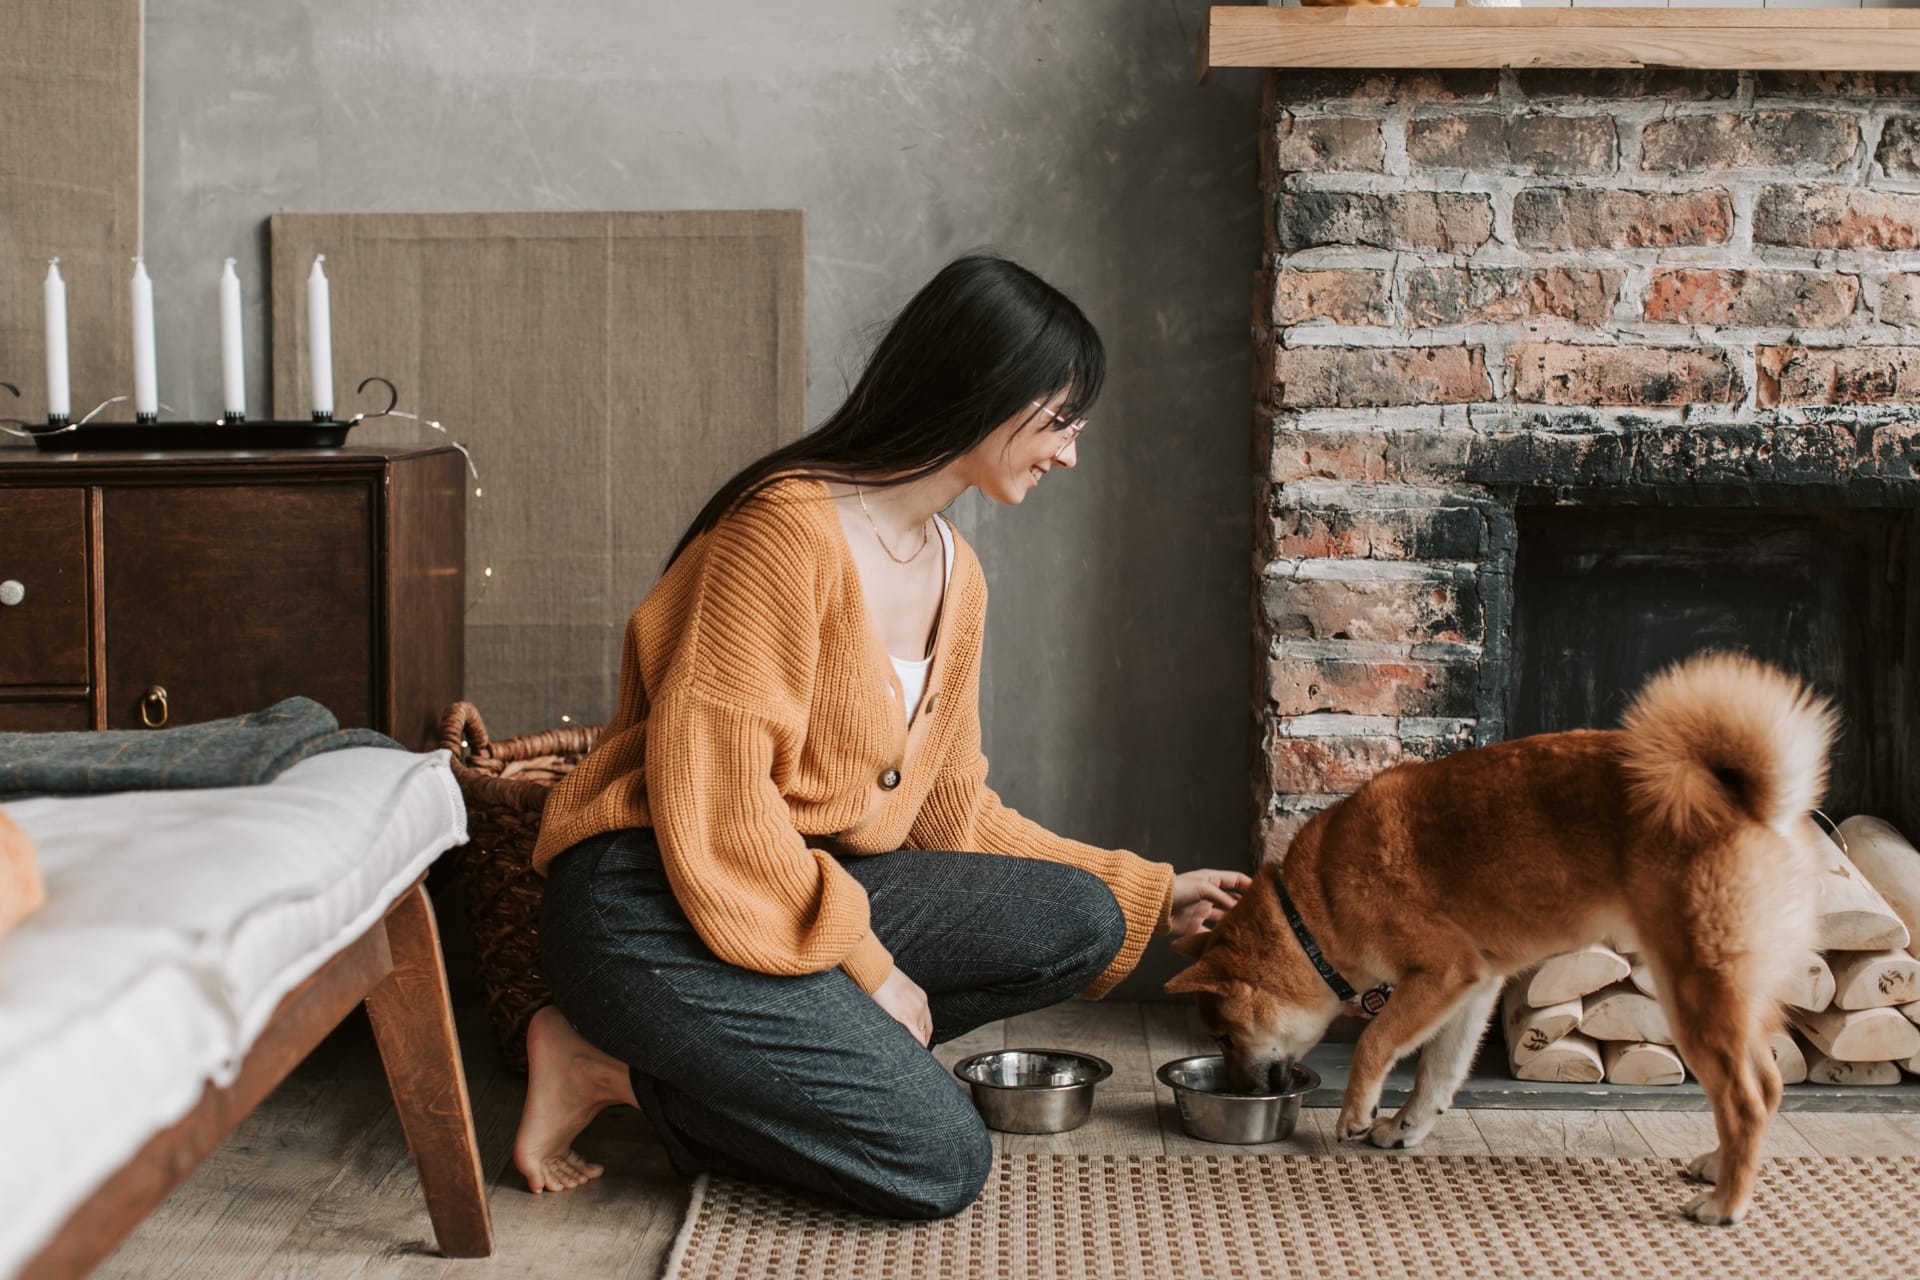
{"x": 979, "y": 342}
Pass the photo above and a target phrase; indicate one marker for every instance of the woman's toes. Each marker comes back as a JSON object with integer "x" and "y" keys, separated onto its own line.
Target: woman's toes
{"x": 569, "y": 1082}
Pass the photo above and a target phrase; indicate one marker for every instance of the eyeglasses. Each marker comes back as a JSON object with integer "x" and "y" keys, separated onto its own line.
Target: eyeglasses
{"x": 1071, "y": 430}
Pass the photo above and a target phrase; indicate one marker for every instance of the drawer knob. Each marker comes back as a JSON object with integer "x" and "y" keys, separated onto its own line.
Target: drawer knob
{"x": 12, "y": 592}
{"x": 153, "y": 707}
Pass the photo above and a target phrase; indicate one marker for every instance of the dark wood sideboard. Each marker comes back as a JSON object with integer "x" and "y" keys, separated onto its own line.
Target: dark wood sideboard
{"x": 171, "y": 588}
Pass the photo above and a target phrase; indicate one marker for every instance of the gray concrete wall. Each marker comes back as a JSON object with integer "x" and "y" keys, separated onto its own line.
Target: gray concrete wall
{"x": 1068, "y": 134}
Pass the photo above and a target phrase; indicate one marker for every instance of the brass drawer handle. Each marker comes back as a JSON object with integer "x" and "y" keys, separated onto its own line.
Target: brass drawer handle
{"x": 155, "y": 696}
{"x": 12, "y": 592}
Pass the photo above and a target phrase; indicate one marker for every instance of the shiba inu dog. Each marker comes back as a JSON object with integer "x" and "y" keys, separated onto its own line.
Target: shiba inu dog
{"x": 1686, "y": 830}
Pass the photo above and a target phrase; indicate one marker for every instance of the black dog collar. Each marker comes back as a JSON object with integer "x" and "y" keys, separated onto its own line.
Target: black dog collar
{"x": 1371, "y": 1003}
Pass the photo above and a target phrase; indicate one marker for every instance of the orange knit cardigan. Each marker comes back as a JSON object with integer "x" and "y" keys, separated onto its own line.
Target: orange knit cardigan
{"x": 760, "y": 731}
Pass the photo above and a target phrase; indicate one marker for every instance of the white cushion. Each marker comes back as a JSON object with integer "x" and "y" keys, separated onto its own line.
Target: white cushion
{"x": 95, "y": 1088}
{"x": 175, "y": 922}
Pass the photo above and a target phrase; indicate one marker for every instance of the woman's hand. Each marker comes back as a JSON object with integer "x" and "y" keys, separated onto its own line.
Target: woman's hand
{"x": 1201, "y": 897}
{"x": 906, "y": 1004}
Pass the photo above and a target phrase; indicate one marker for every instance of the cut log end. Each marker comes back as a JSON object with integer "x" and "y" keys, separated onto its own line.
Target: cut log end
{"x": 1620, "y": 1012}
{"x": 1529, "y": 1030}
{"x": 1812, "y": 985}
{"x": 1860, "y": 931}
{"x": 1891, "y": 865}
{"x": 1789, "y": 1057}
{"x": 1642, "y": 976}
{"x": 1572, "y": 1059}
{"x": 1850, "y": 913}
{"x": 1863, "y": 1035}
{"x": 1824, "y": 1070}
{"x": 1642, "y": 1063}
{"x": 1575, "y": 973}
{"x": 1874, "y": 979}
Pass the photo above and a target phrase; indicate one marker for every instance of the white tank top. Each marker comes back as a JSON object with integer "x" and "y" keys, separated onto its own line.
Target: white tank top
{"x": 913, "y": 673}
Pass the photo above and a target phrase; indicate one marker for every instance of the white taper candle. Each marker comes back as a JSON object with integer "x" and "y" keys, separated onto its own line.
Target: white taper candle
{"x": 233, "y": 369}
{"x": 55, "y": 293}
{"x": 146, "y": 391}
{"x": 320, "y": 341}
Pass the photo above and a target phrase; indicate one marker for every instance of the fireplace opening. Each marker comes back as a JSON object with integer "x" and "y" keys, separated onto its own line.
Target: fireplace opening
{"x": 1604, "y": 597}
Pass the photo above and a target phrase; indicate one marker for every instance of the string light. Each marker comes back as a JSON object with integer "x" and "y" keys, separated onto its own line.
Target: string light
{"x": 486, "y": 572}
{"x": 26, "y": 432}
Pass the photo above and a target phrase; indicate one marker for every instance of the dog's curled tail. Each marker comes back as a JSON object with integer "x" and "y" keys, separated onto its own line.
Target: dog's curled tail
{"x": 1720, "y": 736}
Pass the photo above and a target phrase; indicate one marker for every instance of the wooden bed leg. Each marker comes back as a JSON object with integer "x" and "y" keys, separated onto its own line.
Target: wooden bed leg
{"x": 412, "y": 1020}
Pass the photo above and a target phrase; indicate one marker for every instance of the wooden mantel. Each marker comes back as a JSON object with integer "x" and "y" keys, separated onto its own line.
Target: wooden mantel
{"x": 1709, "y": 39}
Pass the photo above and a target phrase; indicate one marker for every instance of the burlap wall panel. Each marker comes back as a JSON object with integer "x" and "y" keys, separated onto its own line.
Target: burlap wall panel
{"x": 69, "y": 188}
{"x": 607, "y": 371}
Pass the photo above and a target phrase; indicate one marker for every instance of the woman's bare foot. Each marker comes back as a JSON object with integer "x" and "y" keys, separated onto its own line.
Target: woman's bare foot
{"x": 569, "y": 1082}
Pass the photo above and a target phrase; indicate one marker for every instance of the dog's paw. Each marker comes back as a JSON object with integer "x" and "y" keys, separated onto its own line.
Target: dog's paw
{"x": 1705, "y": 1167}
{"x": 1711, "y": 1208}
{"x": 1397, "y": 1132}
{"x": 1353, "y": 1125}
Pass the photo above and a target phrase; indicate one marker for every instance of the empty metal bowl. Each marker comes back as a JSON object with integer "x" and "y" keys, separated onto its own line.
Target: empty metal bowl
{"x": 1033, "y": 1090}
{"x": 1212, "y": 1114}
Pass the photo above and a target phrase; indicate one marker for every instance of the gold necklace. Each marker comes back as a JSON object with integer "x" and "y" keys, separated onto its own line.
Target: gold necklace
{"x": 860, "y": 494}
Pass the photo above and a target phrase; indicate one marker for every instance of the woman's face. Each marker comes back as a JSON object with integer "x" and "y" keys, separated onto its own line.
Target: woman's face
{"x": 1010, "y": 463}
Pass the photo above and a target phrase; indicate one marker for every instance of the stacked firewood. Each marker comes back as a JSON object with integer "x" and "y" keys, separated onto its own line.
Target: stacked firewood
{"x": 1869, "y": 916}
{"x": 1594, "y": 1014}
{"x": 1582, "y": 1017}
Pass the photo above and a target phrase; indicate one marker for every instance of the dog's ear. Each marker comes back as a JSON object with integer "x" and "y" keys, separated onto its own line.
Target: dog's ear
{"x": 1201, "y": 975}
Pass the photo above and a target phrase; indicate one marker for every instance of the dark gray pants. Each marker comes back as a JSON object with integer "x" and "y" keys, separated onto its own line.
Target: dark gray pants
{"x": 804, "y": 1080}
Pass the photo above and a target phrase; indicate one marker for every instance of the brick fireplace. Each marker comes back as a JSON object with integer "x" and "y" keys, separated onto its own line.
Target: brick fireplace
{"x": 1524, "y": 335}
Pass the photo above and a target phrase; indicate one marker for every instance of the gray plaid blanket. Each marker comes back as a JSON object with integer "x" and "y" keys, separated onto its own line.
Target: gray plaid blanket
{"x": 237, "y": 752}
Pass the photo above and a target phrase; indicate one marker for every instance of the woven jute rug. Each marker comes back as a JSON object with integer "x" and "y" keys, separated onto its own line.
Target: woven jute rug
{"x": 1055, "y": 1217}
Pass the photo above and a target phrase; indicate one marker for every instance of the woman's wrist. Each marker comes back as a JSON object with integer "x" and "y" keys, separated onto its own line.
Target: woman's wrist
{"x": 868, "y": 963}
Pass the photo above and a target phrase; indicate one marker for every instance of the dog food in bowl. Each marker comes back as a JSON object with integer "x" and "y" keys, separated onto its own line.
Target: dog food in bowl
{"x": 1210, "y": 1112}
{"x": 1033, "y": 1090}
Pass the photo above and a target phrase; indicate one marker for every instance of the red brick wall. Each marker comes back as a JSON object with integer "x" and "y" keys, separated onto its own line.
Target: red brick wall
{"x": 1482, "y": 285}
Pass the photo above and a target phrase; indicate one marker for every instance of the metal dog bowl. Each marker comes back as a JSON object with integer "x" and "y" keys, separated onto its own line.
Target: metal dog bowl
{"x": 1212, "y": 1114}
{"x": 1033, "y": 1090}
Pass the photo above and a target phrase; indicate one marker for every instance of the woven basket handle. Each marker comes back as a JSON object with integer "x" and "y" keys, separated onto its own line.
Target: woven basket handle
{"x": 462, "y": 731}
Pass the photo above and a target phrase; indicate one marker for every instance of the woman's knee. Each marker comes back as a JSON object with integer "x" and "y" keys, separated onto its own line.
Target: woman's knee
{"x": 920, "y": 1150}
{"x": 937, "y": 1179}
{"x": 1092, "y": 927}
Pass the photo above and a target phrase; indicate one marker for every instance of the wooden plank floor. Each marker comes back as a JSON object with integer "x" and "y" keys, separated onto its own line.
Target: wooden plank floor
{"x": 317, "y": 1182}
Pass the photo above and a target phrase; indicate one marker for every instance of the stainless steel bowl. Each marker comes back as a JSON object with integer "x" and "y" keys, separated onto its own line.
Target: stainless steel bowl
{"x": 1212, "y": 1114}
{"x": 1033, "y": 1090}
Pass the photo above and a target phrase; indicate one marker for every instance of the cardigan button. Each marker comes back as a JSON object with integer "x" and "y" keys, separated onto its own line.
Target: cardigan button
{"x": 890, "y": 779}
{"x": 933, "y": 703}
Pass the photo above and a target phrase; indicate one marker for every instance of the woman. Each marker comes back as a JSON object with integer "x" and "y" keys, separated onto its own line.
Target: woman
{"x": 781, "y": 876}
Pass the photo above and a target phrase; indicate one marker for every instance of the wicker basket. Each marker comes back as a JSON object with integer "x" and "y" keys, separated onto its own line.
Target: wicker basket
{"x": 506, "y": 786}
